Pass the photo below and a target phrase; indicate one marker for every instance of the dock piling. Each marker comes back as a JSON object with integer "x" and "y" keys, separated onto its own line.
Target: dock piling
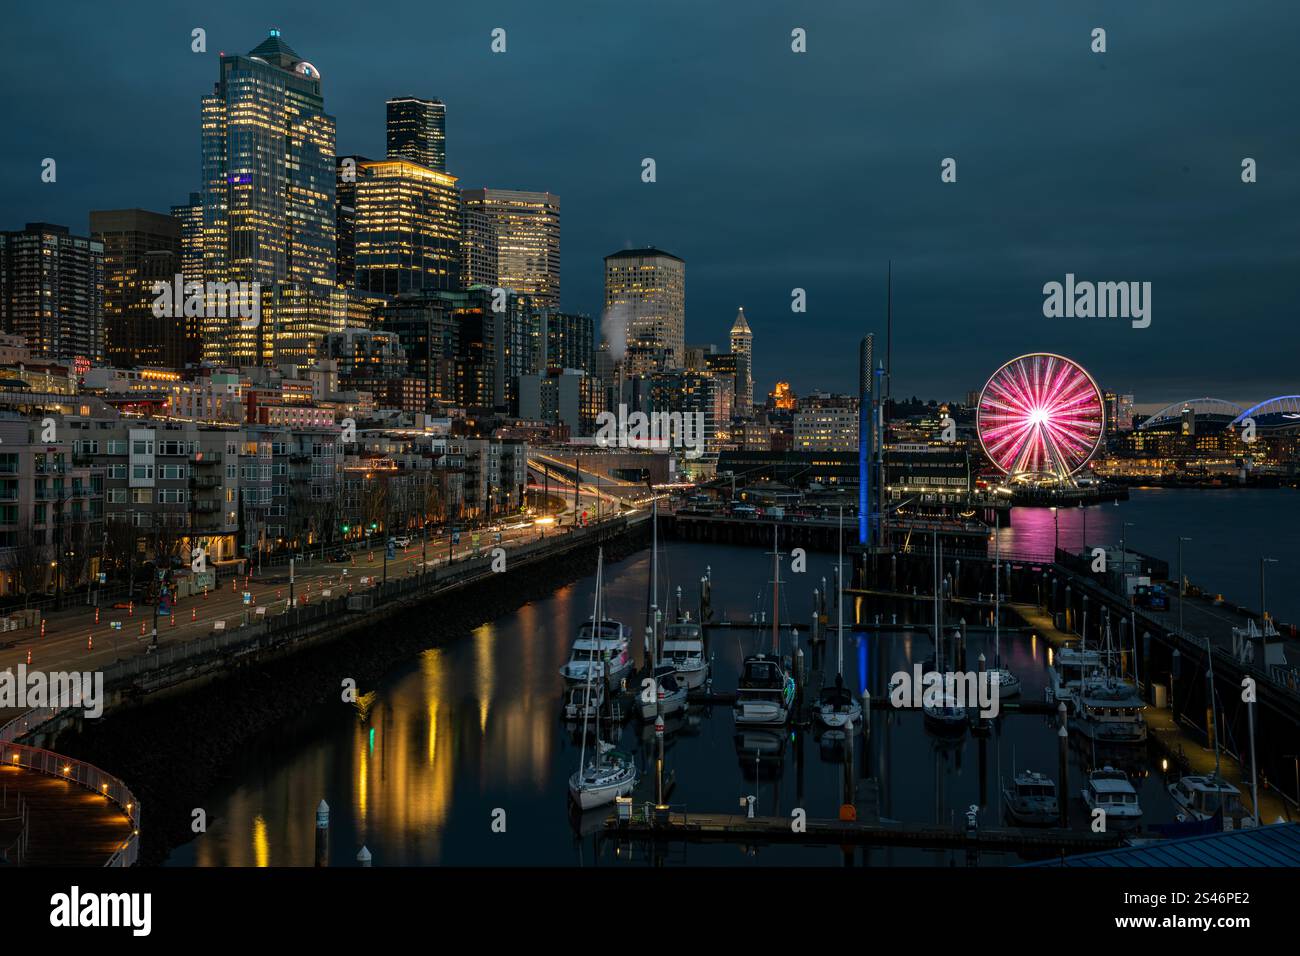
{"x": 322, "y": 833}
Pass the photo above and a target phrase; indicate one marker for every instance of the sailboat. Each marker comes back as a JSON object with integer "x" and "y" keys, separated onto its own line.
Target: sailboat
{"x": 665, "y": 694}
{"x": 1007, "y": 683}
{"x": 1205, "y": 796}
{"x": 944, "y": 716}
{"x": 837, "y": 708}
{"x": 765, "y": 696}
{"x": 603, "y": 647}
{"x": 611, "y": 773}
{"x": 1109, "y": 708}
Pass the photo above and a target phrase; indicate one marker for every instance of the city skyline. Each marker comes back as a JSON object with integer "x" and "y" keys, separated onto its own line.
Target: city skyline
{"x": 1164, "y": 209}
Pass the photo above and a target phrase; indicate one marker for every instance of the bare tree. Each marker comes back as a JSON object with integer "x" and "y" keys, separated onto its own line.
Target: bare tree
{"x": 374, "y": 503}
{"x": 28, "y": 563}
{"x": 75, "y": 559}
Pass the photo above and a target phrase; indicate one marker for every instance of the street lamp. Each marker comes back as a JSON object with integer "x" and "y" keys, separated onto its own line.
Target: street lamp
{"x": 1056, "y": 521}
{"x": 1263, "y": 603}
{"x": 1123, "y": 549}
{"x": 1180, "y": 584}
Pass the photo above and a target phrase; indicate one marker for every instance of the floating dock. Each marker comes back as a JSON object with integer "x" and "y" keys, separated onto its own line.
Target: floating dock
{"x": 739, "y": 828}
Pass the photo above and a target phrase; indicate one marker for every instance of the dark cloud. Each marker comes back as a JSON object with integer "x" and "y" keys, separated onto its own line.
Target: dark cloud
{"x": 779, "y": 170}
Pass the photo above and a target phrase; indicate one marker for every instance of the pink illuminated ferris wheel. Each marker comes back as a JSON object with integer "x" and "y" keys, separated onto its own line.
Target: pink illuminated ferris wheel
{"x": 1040, "y": 418}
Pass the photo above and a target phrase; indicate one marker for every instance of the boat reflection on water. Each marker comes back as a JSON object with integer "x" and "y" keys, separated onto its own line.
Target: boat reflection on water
{"x": 685, "y": 723}
{"x": 833, "y": 746}
{"x": 760, "y": 752}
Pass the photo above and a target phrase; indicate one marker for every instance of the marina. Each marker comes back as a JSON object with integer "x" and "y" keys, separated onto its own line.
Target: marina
{"x": 485, "y": 704}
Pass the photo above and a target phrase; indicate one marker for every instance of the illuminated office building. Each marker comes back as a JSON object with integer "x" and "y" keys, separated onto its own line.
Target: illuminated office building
{"x": 142, "y": 248}
{"x": 189, "y": 225}
{"x": 648, "y": 288}
{"x": 407, "y": 230}
{"x": 417, "y": 130}
{"x": 268, "y": 203}
{"x": 512, "y": 240}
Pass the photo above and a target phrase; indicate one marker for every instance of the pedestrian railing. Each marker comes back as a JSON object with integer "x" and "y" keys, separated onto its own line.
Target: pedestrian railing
{"x": 90, "y": 778}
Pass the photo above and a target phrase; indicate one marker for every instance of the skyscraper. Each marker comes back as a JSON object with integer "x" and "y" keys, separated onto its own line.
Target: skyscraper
{"x": 568, "y": 340}
{"x": 512, "y": 240}
{"x": 646, "y": 291}
{"x": 346, "y": 169}
{"x": 407, "y": 230}
{"x": 268, "y": 202}
{"x": 417, "y": 130}
{"x": 189, "y": 224}
{"x": 742, "y": 346}
{"x": 142, "y": 248}
{"x": 51, "y": 288}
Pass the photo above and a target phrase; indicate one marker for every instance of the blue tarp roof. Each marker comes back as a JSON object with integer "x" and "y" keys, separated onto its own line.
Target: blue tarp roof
{"x": 1276, "y": 845}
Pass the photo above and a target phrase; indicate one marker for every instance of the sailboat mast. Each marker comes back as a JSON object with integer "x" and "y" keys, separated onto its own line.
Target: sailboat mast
{"x": 654, "y": 584}
{"x": 839, "y": 607}
{"x": 1214, "y": 710}
{"x": 938, "y": 630}
{"x": 591, "y": 666}
{"x": 776, "y": 592}
{"x": 997, "y": 590}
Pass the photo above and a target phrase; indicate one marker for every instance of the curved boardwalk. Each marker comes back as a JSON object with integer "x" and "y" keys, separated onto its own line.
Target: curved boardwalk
{"x": 69, "y": 825}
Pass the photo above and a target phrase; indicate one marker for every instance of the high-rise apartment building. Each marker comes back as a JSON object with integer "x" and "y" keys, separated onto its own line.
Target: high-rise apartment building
{"x": 646, "y": 291}
{"x": 568, "y": 340}
{"x": 268, "y": 204}
{"x": 51, "y": 289}
{"x": 417, "y": 130}
{"x": 512, "y": 240}
{"x": 407, "y": 228}
{"x": 142, "y": 249}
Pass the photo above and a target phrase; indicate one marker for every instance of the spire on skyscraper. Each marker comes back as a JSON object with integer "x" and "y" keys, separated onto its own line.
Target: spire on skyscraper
{"x": 740, "y": 325}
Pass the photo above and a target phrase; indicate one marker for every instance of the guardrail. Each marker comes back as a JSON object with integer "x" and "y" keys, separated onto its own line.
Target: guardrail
{"x": 302, "y": 620}
{"x": 87, "y": 776}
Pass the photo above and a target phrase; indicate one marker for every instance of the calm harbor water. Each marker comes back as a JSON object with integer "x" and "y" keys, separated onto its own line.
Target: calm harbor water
{"x": 417, "y": 771}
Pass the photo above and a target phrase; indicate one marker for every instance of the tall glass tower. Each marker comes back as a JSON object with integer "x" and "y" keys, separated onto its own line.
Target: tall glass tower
{"x": 268, "y": 202}
{"x": 417, "y": 130}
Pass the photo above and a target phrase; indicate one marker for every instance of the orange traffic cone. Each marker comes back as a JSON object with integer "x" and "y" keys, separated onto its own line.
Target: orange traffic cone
{"x": 42, "y": 627}
{"x": 90, "y": 642}
{"x": 130, "y": 609}
{"x": 173, "y": 618}
{"x": 194, "y": 614}
{"x": 142, "y": 627}
{"x": 96, "y": 615}
{"x": 29, "y": 655}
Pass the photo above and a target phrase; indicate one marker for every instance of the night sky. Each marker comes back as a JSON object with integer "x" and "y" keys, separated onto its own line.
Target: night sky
{"x": 779, "y": 170}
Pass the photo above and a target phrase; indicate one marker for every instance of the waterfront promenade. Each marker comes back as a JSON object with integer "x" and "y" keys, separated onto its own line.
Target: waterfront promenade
{"x": 73, "y": 640}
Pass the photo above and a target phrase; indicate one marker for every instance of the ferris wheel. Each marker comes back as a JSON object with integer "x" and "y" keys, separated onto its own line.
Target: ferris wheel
{"x": 1040, "y": 418}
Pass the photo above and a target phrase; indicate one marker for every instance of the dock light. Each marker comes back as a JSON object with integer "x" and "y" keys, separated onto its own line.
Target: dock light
{"x": 1164, "y": 763}
{"x": 67, "y": 769}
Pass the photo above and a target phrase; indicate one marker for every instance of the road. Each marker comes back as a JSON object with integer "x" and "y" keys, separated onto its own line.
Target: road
{"x": 74, "y": 641}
